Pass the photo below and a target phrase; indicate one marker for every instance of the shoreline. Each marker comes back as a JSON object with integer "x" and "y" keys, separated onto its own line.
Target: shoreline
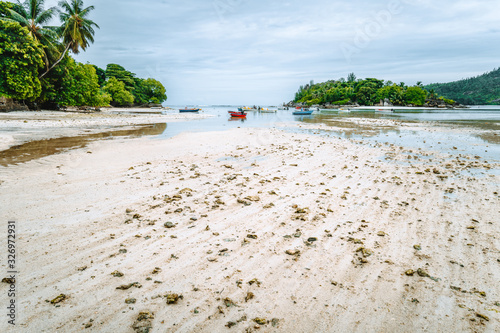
{"x": 24, "y": 126}
{"x": 327, "y": 228}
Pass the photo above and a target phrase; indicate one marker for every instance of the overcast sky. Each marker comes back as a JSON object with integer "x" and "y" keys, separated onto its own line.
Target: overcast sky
{"x": 260, "y": 52}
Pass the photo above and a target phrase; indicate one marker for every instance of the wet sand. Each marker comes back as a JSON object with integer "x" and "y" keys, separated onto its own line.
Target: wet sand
{"x": 18, "y": 128}
{"x": 255, "y": 230}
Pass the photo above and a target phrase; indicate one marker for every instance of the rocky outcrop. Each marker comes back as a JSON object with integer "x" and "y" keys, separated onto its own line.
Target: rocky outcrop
{"x": 8, "y": 104}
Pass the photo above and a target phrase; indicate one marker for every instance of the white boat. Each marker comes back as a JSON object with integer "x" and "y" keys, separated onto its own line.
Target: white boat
{"x": 266, "y": 110}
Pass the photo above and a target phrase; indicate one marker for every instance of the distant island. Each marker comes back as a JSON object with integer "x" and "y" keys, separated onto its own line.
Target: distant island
{"x": 480, "y": 90}
{"x": 484, "y": 89}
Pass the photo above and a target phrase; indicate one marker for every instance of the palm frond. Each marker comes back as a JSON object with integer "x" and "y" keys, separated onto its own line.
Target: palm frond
{"x": 19, "y": 18}
{"x": 45, "y": 16}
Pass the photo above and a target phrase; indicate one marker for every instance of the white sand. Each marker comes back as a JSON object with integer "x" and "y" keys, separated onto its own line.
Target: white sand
{"x": 73, "y": 229}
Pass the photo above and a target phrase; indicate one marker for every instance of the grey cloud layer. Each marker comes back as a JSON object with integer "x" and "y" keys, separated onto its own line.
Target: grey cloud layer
{"x": 259, "y": 52}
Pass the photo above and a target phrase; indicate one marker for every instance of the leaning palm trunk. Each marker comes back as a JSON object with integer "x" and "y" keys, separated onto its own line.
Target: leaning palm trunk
{"x": 55, "y": 63}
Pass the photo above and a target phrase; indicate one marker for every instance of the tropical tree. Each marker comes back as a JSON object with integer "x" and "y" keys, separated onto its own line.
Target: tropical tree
{"x": 20, "y": 59}
{"x": 77, "y": 31}
{"x": 80, "y": 86}
{"x": 415, "y": 95}
{"x": 121, "y": 74}
{"x": 31, "y": 14}
{"x": 120, "y": 95}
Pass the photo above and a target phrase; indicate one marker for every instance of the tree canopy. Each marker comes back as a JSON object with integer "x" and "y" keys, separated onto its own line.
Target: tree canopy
{"x": 367, "y": 92}
{"x": 480, "y": 90}
{"x": 35, "y": 64}
{"x": 21, "y": 57}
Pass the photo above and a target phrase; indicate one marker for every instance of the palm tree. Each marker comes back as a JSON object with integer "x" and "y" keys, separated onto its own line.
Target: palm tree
{"x": 30, "y": 14}
{"x": 77, "y": 30}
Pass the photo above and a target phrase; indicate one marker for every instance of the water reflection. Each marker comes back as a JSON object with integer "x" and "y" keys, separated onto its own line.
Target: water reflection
{"x": 241, "y": 120}
{"x": 41, "y": 148}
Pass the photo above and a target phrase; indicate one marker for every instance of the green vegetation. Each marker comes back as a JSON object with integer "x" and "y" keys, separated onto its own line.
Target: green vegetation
{"x": 20, "y": 59}
{"x": 367, "y": 92}
{"x": 36, "y": 66}
{"x": 119, "y": 94}
{"x": 480, "y": 90}
{"x": 142, "y": 91}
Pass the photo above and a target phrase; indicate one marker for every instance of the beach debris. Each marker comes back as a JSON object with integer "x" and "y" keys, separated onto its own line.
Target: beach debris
{"x": 81, "y": 269}
{"x": 362, "y": 254}
{"x": 252, "y": 236}
{"x": 312, "y": 239}
{"x": 157, "y": 270}
{"x": 409, "y": 272}
{"x": 354, "y": 240}
{"x": 130, "y": 300}
{"x": 230, "y": 324}
{"x": 252, "y": 198}
{"x": 143, "y": 323}
{"x": 297, "y": 233}
{"x": 186, "y": 191}
{"x": 381, "y": 233}
{"x": 294, "y": 252}
{"x": 421, "y": 272}
{"x": 59, "y": 299}
{"x": 254, "y": 280}
{"x": 89, "y": 324}
{"x": 229, "y": 302}
{"x": 417, "y": 247}
{"x": 298, "y": 210}
{"x": 169, "y": 225}
{"x": 249, "y": 296}
{"x": 364, "y": 251}
{"x": 173, "y": 298}
{"x": 137, "y": 216}
{"x": 275, "y": 322}
{"x": 482, "y": 316}
{"x": 130, "y": 285}
{"x": 260, "y": 321}
{"x": 117, "y": 274}
{"x": 243, "y": 201}
{"x": 9, "y": 280}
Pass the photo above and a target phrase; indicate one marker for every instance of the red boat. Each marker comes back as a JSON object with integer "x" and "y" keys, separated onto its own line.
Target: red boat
{"x": 238, "y": 114}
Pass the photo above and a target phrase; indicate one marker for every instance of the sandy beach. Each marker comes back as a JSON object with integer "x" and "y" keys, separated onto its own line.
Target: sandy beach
{"x": 252, "y": 230}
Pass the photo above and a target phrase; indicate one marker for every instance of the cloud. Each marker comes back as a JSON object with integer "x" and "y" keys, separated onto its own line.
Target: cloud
{"x": 259, "y": 52}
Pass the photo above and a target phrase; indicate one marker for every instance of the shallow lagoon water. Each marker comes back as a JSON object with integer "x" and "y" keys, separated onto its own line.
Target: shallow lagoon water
{"x": 483, "y": 140}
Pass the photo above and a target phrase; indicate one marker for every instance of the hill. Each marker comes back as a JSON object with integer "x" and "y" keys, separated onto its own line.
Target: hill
{"x": 480, "y": 90}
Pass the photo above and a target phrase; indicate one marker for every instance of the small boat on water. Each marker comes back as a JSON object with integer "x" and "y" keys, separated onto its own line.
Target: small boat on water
{"x": 189, "y": 110}
{"x": 302, "y": 112}
{"x": 237, "y": 114}
{"x": 266, "y": 110}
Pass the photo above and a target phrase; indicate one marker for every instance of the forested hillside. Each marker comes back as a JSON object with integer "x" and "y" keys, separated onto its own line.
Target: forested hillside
{"x": 479, "y": 90}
